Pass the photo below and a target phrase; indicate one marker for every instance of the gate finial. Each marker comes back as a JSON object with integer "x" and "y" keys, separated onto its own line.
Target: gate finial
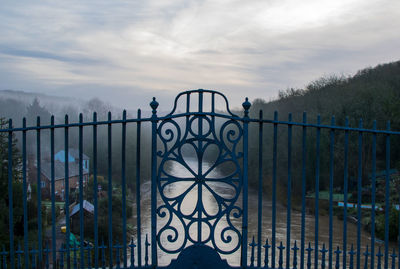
{"x": 154, "y": 105}
{"x": 246, "y": 105}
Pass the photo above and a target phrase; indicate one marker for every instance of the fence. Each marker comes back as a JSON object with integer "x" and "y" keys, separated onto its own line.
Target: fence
{"x": 270, "y": 193}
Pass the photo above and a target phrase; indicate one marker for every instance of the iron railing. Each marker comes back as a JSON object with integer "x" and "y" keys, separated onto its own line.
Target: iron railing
{"x": 294, "y": 175}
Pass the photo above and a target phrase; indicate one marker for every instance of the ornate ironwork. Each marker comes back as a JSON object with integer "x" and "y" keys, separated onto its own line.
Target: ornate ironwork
{"x": 187, "y": 221}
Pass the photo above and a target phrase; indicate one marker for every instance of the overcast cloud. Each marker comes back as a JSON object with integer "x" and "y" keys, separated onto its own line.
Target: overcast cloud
{"x": 124, "y": 52}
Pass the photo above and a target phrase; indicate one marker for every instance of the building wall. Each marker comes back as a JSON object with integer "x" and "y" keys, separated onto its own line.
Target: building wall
{"x": 59, "y": 186}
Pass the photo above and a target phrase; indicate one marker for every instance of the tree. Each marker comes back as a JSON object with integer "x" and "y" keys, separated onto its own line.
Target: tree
{"x": 35, "y": 110}
{"x": 17, "y": 186}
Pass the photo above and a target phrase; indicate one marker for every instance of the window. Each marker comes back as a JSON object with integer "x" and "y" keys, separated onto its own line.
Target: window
{"x": 43, "y": 184}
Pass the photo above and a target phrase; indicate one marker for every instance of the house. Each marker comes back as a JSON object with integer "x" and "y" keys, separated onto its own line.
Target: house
{"x": 88, "y": 217}
{"x": 59, "y": 178}
{"x": 73, "y": 157}
{"x": 59, "y": 172}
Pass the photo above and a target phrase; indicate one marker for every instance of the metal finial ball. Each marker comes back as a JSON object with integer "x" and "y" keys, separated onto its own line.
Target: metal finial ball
{"x": 246, "y": 104}
{"x": 154, "y": 104}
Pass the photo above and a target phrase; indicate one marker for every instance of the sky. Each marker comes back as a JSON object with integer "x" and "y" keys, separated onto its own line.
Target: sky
{"x": 125, "y": 52}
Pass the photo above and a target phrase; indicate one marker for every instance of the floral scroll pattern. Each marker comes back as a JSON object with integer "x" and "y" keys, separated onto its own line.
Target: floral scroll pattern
{"x": 201, "y": 206}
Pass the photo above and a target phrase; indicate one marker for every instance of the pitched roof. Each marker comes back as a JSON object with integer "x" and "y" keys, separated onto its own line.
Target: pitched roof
{"x": 86, "y": 206}
{"x": 59, "y": 170}
{"x": 75, "y": 153}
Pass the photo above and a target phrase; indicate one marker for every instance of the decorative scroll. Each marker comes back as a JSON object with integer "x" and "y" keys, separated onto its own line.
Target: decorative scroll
{"x": 199, "y": 207}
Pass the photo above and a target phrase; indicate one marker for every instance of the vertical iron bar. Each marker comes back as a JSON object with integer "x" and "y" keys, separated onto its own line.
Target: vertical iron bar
{"x": 10, "y": 194}
{"x": 123, "y": 160}
{"x": 274, "y": 189}
{"x": 337, "y": 252}
{"x": 387, "y": 194}
{"x": 366, "y": 254}
{"x": 199, "y": 208}
{"x": 53, "y": 190}
{"x": 139, "y": 227}
{"x": 81, "y": 219}
{"x": 289, "y": 193}
{"x": 359, "y": 191}
{"x": 66, "y": 159}
{"x": 252, "y": 245}
{"x": 260, "y": 186}
{"x": 109, "y": 155}
{"x": 95, "y": 193}
{"x": 280, "y": 261}
{"x": 24, "y": 195}
{"x": 373, "y": 183}
{"x": 303, "y": 191}
{"x": 351, "y": 257}
{"x": 154, "y": 105}
{"x": 246, "y": 105}
{"x": 295, "y": 249}
{"x": 345, "y": 191}
{"x": 39, "y": 193}
{"x": 266, "y": 255}
{"x": 331, "y": 172}
{"x": 317, "y": 191}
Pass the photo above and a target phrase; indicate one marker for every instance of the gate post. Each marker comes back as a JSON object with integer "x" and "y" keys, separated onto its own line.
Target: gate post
{"x": 154, "y": 105}
{"x": 246, "y": 105}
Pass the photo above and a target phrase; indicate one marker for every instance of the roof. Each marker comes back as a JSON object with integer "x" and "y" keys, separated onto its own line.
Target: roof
{"x": 86, "y": 206}
{"x": 59, "y": 170}
{"x": 75, "y": 153}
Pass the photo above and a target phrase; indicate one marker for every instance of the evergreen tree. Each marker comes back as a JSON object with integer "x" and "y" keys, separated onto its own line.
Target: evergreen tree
{"x": 17, "y": 186}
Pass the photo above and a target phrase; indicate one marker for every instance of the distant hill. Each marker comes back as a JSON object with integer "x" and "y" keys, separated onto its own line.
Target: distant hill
{"x": 372, "y": 93}
{"x": 46, "y": 100}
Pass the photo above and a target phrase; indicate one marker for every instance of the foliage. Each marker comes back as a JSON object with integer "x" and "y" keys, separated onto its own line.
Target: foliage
{"x": 17, "y": 188}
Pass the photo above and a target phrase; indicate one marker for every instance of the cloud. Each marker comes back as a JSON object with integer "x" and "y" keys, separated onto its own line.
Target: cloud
{"x": 257, "y": 47}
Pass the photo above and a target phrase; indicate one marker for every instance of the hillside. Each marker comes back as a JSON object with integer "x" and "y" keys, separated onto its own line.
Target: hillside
{"x": 372, "y": 93}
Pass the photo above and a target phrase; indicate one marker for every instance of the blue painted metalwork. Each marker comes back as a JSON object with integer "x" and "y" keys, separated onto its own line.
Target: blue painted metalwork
{"x": 317, "y": 171}
{"x": 81, "y": 220}
{"x": 295, "y": 249}
{"x": 132, "y": 248}
{"x": 24, "y": 195}
{"x": 373, "y": 183}
{"x": 123, "y": 183}
{"x": 289, "y": 193}
{"x": 266, "y": 256}
{"x": 345, "y": 190}
{"x": 260, "y": 188}
{"x": 95, "y": 192}
{"x": 337, "y": 252}
{"x": 53, "y": 198}
{"x": 39, "y": 197}
{"x": 351, "y": 253}
{"x": 109, "y": 191}
{"x": 309, "y": 250}
{"x": 379, "y": 255}
{"x": 200, "y": 134}
{"x": 252, "y": 245}
{"x": 359, "y": 190}
{"x": 274, "y": 163}
{"x": 66, "y": 184}
{"x": 280, "y": 261}
{"x": 366, "y": 255}
{"x": 323, "y": 252}
{"x": 138, "y": 216}
{"x": 10, "y": 193}
{"x": 331, "y": 173}
{"x": 303, "y": 190}
{"x": 387, "y": 194}
{"x": 196, "y": 234}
